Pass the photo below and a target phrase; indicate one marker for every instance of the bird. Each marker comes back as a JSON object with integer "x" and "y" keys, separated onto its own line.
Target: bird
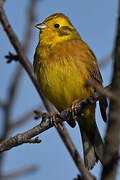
{"x": 63, "y": 63}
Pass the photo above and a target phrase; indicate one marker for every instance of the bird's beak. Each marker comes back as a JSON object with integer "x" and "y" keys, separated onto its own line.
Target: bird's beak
{"x": 41, "y": 26}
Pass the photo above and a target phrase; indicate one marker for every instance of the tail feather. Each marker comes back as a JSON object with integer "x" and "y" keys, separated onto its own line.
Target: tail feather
{"x": 92, "y": 142}
{"x": 90, "y": 157}
{"x": 98, "y": 144}
{"x": 93, "y": 149}
{"x": 103, "y": 105}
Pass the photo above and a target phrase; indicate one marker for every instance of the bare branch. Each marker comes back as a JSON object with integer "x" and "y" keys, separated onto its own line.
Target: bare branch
{"x": 44, "y": 125}
{"x": 65, "y": 115}
{"x": 103, "y": 91}
{"x": 21, "y": 138}
{"x": 112, "y": 139}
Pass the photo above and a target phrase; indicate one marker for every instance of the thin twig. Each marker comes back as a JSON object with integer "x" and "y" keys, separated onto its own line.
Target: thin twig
{"x": 103, "y": 91}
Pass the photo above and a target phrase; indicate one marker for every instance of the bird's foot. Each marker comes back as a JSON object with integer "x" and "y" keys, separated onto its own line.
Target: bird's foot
{"x": 74, "y": 106}
{"x": 53, "y": 119}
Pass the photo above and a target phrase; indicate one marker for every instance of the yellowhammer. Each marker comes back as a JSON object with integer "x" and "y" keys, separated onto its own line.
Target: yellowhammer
{"x": 63, "y": 62}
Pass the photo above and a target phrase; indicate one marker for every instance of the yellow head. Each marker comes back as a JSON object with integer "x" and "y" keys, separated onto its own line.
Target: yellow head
{"x": 55, "y": 29}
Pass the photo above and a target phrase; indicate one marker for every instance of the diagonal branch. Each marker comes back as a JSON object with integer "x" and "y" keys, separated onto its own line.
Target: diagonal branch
{"x": 104, "y": 91}
{"x": 47, "y": 122}
{"x": 43, "y": 126}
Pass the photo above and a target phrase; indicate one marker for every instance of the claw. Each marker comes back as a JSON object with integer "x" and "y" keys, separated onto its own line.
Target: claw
{"x": 53, "y": 119}
{"x": 74, "y": 106}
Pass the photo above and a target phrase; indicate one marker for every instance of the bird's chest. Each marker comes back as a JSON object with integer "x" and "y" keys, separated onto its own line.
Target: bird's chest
{"x": 62, "y": 83}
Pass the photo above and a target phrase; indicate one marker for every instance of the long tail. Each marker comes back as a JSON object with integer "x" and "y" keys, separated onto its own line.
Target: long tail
{"x": 92, "y": 151}
{"x": 92, "y": 142}
{"x": 90, "y": 157}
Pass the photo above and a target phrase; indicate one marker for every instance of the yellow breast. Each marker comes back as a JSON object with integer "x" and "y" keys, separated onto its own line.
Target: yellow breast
{"x": 62, "y": 76}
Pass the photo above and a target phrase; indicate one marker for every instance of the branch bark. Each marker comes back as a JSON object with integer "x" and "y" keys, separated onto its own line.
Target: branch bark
{"x": 43, "y": 126}
{"x": 65, "y": 115}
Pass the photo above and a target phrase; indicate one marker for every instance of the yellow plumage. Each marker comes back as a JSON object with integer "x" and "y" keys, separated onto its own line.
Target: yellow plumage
{"x": 63, "y": 63}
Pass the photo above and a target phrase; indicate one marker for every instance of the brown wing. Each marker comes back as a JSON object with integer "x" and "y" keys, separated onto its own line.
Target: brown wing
{"x": 94, "y": 71}
{"x": 95, "y": 74}
{"x": 87, "y": 56}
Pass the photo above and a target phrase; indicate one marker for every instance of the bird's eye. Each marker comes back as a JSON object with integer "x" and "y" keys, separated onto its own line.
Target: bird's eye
{"x": 56, "y": 25}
